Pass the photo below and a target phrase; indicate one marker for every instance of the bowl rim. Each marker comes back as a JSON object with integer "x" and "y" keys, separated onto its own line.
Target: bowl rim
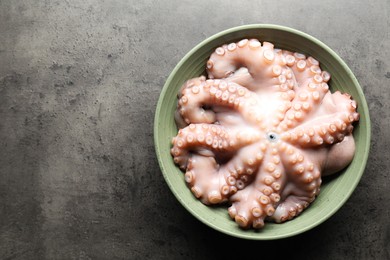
{"x": 363, "y": 105}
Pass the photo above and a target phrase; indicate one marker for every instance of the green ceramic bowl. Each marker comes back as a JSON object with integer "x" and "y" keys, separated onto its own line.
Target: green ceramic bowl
{"x": 335, "y": 191}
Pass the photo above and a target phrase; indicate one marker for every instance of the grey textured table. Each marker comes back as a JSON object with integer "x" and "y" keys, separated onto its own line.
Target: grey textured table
{"x": 79, "y": 83}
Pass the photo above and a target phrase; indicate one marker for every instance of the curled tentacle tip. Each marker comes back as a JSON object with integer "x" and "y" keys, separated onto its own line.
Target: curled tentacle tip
{"x": 241, "y": 221}
{"x": 258, "y": 223}
{"x": 214, "y": 197}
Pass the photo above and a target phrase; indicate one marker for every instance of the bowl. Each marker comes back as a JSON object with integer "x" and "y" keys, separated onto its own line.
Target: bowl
{"x": 335, "y": 191}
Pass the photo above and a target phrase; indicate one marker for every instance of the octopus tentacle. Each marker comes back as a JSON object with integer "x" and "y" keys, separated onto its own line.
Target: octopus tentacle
{"x": 291, "y": 207}
{"x": 316, "y": 134}
{"x": 305, "y": 69}
{"x": 310, "y": 89}
{"x": 262, "y": 63}
{"x": 303, "y": 106}
{"x": 207, "y": 140}
{"x": 213, "y": 184}
{"x": 241, "y": 76}
{"x": 251, "y": 207}
{"x": 216, "y": 93}
{"x": 331, "y": 124}
{"x": 304, "y": 184}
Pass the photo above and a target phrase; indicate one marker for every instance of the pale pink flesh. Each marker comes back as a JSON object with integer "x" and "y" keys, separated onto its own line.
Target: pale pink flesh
{"x": 260, "y": 132}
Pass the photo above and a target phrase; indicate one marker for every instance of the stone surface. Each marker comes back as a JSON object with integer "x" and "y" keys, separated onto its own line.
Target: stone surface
{"x": 79, "y": 83}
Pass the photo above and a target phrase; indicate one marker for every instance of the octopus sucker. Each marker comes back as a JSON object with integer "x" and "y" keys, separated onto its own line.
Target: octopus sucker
{"x": 261, "y": 131}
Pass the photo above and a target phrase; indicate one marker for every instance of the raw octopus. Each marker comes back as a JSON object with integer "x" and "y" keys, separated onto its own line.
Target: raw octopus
{"x": 260, "y": 132}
